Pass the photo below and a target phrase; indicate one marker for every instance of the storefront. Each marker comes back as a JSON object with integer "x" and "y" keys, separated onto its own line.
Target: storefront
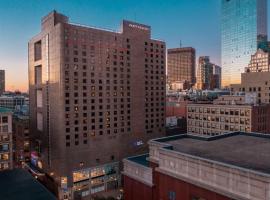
{"x": 97, "y": 179}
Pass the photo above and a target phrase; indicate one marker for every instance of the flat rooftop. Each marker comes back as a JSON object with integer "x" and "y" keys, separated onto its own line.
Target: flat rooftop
{"x": 140, "y": 159}
{"x": 19, "y": 184}
{"x": 245, "y": 150}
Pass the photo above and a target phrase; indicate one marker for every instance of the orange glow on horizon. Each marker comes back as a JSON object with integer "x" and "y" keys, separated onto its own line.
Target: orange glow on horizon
{"x": 15, "y": 86}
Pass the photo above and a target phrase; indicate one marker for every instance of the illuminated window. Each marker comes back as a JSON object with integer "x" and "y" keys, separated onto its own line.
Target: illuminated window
{"x": 80, "y": 175}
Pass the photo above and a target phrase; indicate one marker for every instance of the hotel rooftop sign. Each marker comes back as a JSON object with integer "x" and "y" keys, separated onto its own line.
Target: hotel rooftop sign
{"x": 130, "y": 26}
{"x": 139, "y": 27}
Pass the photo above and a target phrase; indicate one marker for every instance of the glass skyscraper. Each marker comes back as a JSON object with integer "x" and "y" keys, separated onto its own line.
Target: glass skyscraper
{"x": 244, "y": 27}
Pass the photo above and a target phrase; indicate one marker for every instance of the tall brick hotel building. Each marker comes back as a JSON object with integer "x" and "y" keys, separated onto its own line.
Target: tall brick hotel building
{"x": 233, "y": 166}
{"x": 88, "y": 87}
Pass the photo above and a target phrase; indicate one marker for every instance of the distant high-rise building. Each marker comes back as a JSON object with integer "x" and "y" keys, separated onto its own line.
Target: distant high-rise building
{"x": 216, "y": 77}
{"x": 260, "y": 62}
{"x": 96, "y": 96}
{"x": 244, "y": 28}
{"x": 214, "y": 82}
{"x": 256, "y": 78}
{"x": 254, "y": 82}
{"x": 208, "y": 74}
{"x": 2, "y": 81}
{"x": 204, "y": 73}
{"x": 181, "y": 65}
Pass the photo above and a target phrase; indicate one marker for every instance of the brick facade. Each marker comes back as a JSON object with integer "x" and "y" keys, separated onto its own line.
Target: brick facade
{"x": 167, "y": 188}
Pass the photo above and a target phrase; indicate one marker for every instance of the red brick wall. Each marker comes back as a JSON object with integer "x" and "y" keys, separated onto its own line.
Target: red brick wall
{"x": 163, "y": 184}
{"x": 135, "y": 190}
{"x": 176, "y": 111}
{"x": 183, "y": 190}
{"x": 260, "y": 119}
{"x": 176, "y": 108}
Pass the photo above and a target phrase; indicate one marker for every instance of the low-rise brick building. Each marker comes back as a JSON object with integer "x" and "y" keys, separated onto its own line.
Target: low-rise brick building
{"x": 227, "y": 114}
{"x": 188, "y": 167}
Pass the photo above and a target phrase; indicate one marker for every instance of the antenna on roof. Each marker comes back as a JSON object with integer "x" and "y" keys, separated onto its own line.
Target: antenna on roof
{"x": 180, "y": 44}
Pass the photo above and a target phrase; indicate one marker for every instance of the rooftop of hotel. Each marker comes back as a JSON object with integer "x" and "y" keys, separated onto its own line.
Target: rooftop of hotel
{"x": 64, "y": 19}
{"x": 245, "y": 150}
{"x": 19, "y": 184}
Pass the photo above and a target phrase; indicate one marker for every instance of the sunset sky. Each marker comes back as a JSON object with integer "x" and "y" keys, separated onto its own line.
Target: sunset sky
{"x": 195, "y": 23}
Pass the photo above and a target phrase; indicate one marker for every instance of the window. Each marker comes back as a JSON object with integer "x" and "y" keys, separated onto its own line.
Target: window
{"x": 172, "y": 195}
{"x": 5, "y": 119}
{"x": 39, "y": 98}
{"x": 85, "y": 193}
{"x": 38, "y": 74}
{"x": 80, "y": 175}
{"x": 4, "y": 156}
{"x": 40, "y": 121}
{"x": 4, "y": 147}
{"x": 197, "y": 198}
{"x": 37, "y": 51}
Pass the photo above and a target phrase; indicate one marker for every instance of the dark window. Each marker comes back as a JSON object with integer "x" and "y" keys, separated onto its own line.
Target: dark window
{"x": 4, "y": 119}
{"x": 172, "y": 195}
{"x": 38, "y": 51}
{"x": 197, "y": 198}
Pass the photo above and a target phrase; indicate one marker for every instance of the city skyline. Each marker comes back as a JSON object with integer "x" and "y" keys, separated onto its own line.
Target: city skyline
{"x": 172, "y": 18}
{"x": 135, "y": 100}
{"x": 175, "y": 15}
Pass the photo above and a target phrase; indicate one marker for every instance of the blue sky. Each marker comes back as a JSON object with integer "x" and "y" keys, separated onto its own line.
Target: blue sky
{"x": 195, "y": 22}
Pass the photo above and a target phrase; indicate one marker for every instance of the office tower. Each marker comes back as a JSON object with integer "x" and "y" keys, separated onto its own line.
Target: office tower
{"x": 216, "y": 82}
{"x": 227, "y": 167}
{"x": 208, "y": 74}
{"x": 260, "y": 62}
{"x": 204, "y": 73}
{"x": 2, "y": 81}
{"x": 227, "y": 114}
{"x": 243, "y": 29}
{"x": 6, "y": 161}
{"x": 181, "y": 65}
{"x": 95, "y": 96}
